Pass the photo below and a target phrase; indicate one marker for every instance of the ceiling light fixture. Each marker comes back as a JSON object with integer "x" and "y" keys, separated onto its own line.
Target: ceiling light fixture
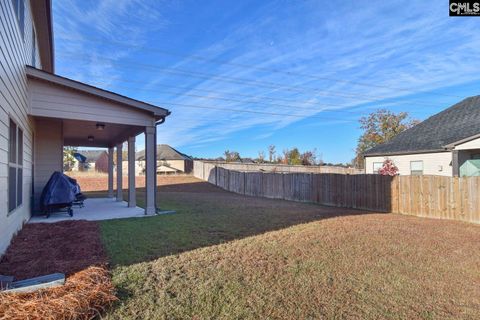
{"x": 100, "y": 126}
{"x": 90, "y": 138}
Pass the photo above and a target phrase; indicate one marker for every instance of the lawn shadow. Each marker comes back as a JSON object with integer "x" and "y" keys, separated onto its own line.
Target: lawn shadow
{"x": 205, "y": 215}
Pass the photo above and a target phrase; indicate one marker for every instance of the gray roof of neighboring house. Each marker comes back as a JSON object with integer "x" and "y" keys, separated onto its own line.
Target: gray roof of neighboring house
{"x": 165, "y": 152}
{"x": 454, "y": 124}
{"x": 91, "y": 155}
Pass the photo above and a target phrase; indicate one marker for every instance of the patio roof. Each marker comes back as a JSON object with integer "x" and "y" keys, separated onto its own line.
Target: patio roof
{"x": 68, "y": 112}
{"x": 33, "y": 73}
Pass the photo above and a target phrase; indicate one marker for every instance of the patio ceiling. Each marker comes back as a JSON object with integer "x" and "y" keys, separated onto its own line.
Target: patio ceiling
{"x": 77, "y": 133}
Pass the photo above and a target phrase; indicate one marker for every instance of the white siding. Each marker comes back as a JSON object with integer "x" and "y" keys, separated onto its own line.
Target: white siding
{"x": 472, "y": 144}
{"x": 432, "y": 163}
{"x": 14, "y": 55}
{"x": 140, "y": 166}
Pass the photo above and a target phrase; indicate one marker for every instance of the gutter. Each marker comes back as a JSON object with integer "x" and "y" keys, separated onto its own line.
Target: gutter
{"x": 400, "y": 153}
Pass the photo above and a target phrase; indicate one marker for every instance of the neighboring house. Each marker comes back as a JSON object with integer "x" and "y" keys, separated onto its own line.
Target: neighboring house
{"x": 91, "y": 160}
{"x": 169, "y": 160}
{"x": 439, "y": 145}
{"x": 40, "y": 112}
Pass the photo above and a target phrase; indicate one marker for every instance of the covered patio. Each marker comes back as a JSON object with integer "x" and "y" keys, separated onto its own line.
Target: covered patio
{"x": 95, "y": 209}
{"x": 70, "y": 113}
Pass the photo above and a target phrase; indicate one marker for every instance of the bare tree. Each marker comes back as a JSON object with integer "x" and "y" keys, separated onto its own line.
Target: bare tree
{"x": 286, "y": 156}
{"x": 231, "y": 156}
{"x": 261, "y": 156}
{"x": 271, "y": 153}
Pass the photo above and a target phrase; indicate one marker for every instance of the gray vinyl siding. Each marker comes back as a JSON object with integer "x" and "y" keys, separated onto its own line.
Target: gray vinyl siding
{"x": 48, "y": 153}
{"x": 15, "y": 53}
{"x": 52, "y": 100}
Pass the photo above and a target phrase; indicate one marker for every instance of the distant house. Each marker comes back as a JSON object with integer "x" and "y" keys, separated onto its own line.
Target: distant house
{"x": 439, "y": 145}
{"x": 169, "y": 160}
{"x": 91, "y": 160}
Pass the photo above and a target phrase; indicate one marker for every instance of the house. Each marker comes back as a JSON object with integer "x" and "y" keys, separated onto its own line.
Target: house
{"x": 439, "y": 145}
{"x": 91, "y": 160}
{"x": 169, "y": 160}
{"x": 42, "y": 112}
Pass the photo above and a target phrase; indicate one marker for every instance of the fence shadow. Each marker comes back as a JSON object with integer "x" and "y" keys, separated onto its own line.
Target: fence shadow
{"x": 205, "y": 215}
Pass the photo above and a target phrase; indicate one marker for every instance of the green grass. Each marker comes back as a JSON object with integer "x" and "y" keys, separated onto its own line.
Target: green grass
{"x": 201, "y": 219}
{"x": 224, "y": 256}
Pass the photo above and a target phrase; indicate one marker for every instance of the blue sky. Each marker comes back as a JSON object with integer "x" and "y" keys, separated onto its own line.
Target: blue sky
{"x": 241, "y": 75}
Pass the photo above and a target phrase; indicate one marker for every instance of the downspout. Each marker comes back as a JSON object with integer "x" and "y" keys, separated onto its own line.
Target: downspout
{"x": 159, "y": 122}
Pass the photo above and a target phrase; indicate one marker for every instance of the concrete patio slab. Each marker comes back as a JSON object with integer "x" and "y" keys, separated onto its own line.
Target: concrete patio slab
{"x": 95, "y": 209}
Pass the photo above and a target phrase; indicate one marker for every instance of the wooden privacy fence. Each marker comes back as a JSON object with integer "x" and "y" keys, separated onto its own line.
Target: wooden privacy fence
{"x": 271, "y": 167}
{"x": 426, "y": 196}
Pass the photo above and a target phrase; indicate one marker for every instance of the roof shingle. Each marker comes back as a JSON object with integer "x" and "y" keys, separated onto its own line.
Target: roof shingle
{"x": 164, "y": 152}
{"x": 456, "y": 123}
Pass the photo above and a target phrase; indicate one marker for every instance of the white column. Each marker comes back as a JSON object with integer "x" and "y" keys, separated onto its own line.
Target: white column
{"x": 150, "y": 170}
{"x": 119, "y": 173}
{"x": 132, "y": 200}
{"x": 110, "y": 172}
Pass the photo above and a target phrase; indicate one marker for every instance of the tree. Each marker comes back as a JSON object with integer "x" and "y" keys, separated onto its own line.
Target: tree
{"x": 271, "y": 153}
{"x": 286, "y": 156}
{"x": 309, "y": 158}
{"x": 388, "y": 168}
{"x": 231, "y": 156}
{"x": 226, "y": 153}
{"x": 261, "y": 156}
{"x": 68, "y": 158}
{"x": 294, "y": 157}
{"x": 380, "y": 127}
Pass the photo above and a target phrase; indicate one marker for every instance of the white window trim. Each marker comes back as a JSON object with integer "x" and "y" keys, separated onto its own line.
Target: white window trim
{"x": 411, "y": 170}
{"x": 373, "y": 166}
{"x": 16, "y": 166}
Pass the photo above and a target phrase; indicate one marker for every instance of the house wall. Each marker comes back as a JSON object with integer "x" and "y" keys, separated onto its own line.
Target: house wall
{"x": 140, "y": 166}
{"x": 432, "y": 162}
{"x": 48, "y": 154}
{"x": 175, "y": 164}
{"x": 472, "y": 144}
{"x": 15, "y": 53}
{"x": 51, "y": 100}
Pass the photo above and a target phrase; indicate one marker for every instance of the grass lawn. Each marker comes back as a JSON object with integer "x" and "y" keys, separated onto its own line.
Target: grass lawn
{"x": 225, "y": 256}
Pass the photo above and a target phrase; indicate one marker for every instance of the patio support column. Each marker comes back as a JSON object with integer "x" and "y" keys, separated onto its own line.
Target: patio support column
{"x": 119, "y": 173}
{"x": 110, "y": 172}
{"x": 132, "y": 200}
{"x": 150, "y": 170}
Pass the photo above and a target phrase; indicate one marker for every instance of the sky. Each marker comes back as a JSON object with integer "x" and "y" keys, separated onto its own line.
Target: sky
{"x": 243, "y": 75}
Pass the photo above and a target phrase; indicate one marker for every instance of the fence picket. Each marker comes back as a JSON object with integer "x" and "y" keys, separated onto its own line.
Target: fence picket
{"x": 427, "y": 196}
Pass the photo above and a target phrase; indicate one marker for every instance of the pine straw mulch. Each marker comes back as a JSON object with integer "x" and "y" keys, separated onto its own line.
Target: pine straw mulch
{"x": 85, "y": 295}
{"x": 70, "y": 247}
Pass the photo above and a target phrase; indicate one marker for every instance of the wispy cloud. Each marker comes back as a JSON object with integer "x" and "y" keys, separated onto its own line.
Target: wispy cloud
{"x": 79, "y": 21}
{"x": 404, "y": 51}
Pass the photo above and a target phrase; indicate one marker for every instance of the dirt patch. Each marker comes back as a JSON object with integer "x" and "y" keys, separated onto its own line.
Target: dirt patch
{"x": 182, "y": 183}
{"x": 65, "y": 247}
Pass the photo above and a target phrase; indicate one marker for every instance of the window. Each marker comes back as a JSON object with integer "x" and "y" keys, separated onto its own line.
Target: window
{"x": 19, "y": 8}
{"x": 15, "y": 167}
{"x": 416, "y": 168}
{"x": 377, "y": 166}
{"x": 34, "y": 47}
